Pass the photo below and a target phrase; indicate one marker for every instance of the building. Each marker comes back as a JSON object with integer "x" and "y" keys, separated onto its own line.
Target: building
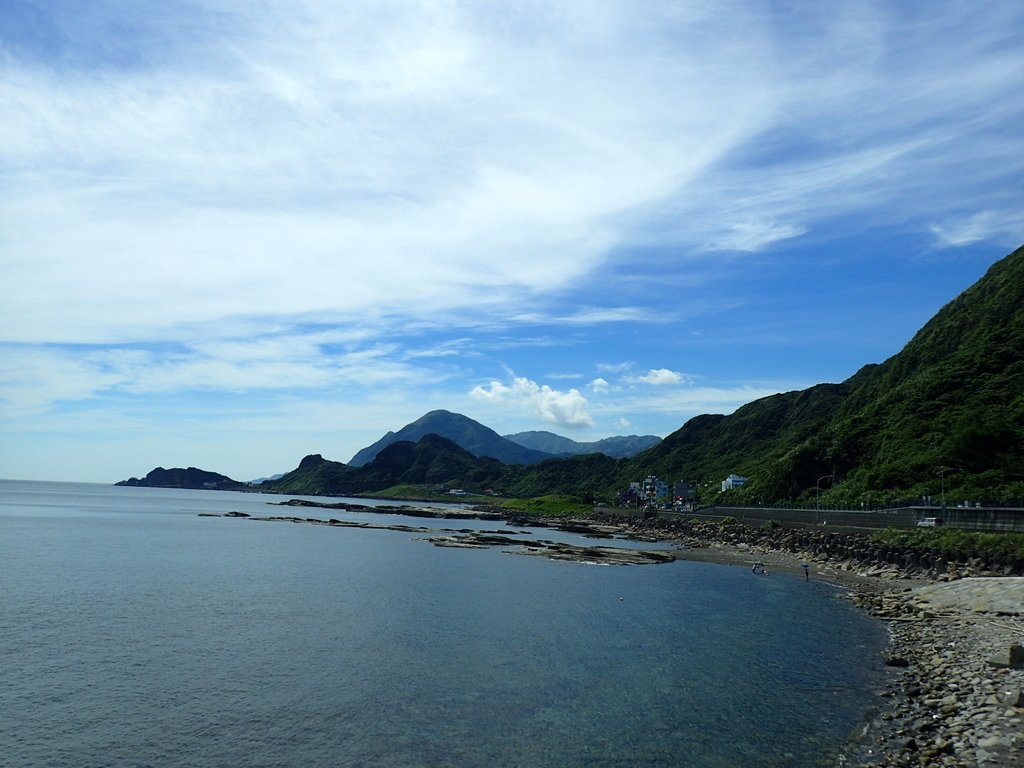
{"x": 685, "y": 492}
{"x": 733, "y": 481}
{"x": 654, "y": 492}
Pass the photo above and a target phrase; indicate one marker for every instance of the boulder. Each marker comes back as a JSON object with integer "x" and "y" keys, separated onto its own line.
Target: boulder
{"x": 1012, "y": 659}
{"x": 1012, "y": 698}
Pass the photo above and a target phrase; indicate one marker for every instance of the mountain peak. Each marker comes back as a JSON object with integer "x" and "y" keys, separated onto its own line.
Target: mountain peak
{"x": 466, "y": 433}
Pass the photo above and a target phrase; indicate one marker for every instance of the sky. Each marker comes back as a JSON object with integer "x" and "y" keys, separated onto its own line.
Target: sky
{"x": 236, "y": 233}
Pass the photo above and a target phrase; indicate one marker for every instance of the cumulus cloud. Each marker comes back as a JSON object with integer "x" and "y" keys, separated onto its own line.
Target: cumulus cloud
{"x": 600, "y": 385}
{"x": 566, "y": 409}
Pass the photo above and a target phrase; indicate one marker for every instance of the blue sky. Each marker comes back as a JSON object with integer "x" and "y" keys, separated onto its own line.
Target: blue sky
{"x": 235, "y": 233}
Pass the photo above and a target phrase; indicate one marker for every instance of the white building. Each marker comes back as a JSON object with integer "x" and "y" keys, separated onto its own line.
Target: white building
{"x": 733, "y": 481}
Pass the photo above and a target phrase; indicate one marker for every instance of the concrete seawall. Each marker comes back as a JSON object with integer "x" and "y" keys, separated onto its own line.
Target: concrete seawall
{"x": 968, "y": 518}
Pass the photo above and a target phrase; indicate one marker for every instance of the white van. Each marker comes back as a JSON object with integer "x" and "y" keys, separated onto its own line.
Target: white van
{"x": 928, "y": 522}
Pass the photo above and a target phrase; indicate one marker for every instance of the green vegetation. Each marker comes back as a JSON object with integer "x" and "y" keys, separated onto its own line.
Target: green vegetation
{"x": 407, "y": 492}
{"x": 553, "y": 505}
{"x": 945, "y": 414}
{"x": 955, "y": 540}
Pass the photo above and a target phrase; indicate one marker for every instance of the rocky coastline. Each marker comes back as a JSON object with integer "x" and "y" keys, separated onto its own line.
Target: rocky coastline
{"x": 515, "y": 542}
{"x": 954, "y": 694}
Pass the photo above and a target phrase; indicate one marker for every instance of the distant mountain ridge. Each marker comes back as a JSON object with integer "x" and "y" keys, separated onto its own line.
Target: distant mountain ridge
{"x": 432, "y": 460}
{"x": 471, "y": 435}
{"x": 944, "y": 415}
{"x": 619, "y": 447}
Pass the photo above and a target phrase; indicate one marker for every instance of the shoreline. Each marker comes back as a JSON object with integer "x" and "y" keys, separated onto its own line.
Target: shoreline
{"x": 944, "y": 703}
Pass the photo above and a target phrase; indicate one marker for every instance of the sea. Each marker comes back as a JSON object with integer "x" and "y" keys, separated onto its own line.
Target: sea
{"x": 136, "y": 630}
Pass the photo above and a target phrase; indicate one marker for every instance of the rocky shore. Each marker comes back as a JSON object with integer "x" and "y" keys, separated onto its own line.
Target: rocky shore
{"x": 954, "y": 697}
{"x": 467, "y": 538}
{"x": 956, "y": 693}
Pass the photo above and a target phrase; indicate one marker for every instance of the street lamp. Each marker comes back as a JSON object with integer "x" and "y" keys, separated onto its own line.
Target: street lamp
{"x": 942, "y": 481}
{"x": 817, "y": 492}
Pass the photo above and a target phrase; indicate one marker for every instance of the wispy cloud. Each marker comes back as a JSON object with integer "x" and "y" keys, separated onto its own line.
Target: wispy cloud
{"x": 984, "y": 225}
{"x": 283, "y": 170}
{"x": 32, "y": 379}
{"x": 365, "y": 199}
{"x": 348, "y": 163}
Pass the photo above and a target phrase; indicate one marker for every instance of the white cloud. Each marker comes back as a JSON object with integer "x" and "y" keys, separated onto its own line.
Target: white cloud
{"x": 754, "y": 235}
{"x": 659, "y": 377}
{"x": 566, "y": 409}
{"x": 345, "y": 162}
{"x": 33, "y": 379}
{"x": 183, "y": 201}
{"x": 986, "y": 225}
{"x": 614, "y": 367}
{"x": 624, "y": 423}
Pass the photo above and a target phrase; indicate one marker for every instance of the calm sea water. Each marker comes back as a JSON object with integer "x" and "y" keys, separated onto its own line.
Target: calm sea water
{"x": 135, "y": 633}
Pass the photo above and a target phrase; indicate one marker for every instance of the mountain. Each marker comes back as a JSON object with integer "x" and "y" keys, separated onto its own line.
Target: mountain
{"x": 945, "y": 414}
{"x": 463, "y": 431}
{"x": 943, "y": 417}
{"x": 433, "y": 460}
{"x": 314, "y": 475}
{"x": 185, "y": 478}
{"x": 621, "y": 447}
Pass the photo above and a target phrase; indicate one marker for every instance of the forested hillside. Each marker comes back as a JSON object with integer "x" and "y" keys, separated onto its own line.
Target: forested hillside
{"x": 946, "y": 410}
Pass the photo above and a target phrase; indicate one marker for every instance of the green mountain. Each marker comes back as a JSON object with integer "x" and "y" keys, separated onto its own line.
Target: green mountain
{"x": 620, "y": 447}
{"x": 185, "y": 478}
{"x": 944, "y": 414}
{"x": 315, "y": 475}
{"x": 433, "y": 460}
{"x": 461, "y": 430}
